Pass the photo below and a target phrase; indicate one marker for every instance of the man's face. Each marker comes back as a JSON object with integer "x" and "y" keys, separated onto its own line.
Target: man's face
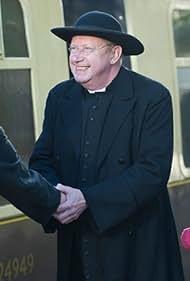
{"x": 90, "y": 61}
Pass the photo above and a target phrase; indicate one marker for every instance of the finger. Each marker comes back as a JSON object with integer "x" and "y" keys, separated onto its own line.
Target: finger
{"x": 63, "y": 198}
{"x": 58, "y": 186}
{"x": 62, "y": 188}
{"x": 79, "y": 204}
{"x": 63, "y": 207}
{"x": 74, "y": 217}
{"x": 66, "y": 217}
{"x": 70, "y": 220}
{"x": 64, "y": 214}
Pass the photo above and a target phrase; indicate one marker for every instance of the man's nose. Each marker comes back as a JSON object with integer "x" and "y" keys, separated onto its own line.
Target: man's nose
{"x": 78, "y": 56}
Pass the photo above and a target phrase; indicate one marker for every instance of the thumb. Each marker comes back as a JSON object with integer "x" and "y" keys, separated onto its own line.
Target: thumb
{"x": 62, "y": 188}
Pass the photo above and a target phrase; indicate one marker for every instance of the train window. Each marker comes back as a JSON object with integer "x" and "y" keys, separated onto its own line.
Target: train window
{"x": 181, "y": 27}
{"x": 181, "y": 24}
{"x": 13, "y": 29}
{"x": 16, "y": 108}
{"x": 184, "y": 87}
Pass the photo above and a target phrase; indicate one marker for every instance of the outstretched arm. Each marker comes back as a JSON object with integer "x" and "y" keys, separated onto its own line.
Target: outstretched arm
{"x": 24, "y": 188}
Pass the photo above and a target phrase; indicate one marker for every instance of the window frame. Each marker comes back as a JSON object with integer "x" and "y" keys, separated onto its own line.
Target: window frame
{"x": 179, "y": 62}
{"x": 15, "y": 62}
{"x": 11, "y": 63}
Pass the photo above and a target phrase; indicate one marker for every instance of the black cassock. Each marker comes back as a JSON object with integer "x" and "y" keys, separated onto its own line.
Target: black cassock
{"x": 128, "y": 231}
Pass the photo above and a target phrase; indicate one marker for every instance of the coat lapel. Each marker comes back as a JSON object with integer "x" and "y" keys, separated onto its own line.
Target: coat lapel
{"x": 119, "y": 111}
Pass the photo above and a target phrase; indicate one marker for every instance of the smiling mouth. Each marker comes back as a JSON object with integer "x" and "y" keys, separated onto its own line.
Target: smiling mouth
{"x": 81, "y": 68}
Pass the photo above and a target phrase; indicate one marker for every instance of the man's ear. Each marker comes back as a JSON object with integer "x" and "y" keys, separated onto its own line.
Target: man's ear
{"x": 116, "y": 54}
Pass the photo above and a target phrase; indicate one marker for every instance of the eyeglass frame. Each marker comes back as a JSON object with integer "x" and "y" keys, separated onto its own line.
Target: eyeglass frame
{"x": 86, "y": 50}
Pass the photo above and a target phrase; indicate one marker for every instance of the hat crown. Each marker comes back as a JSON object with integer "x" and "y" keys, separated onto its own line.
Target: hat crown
{"x": 102, "y": 25}
{"x": 96, "y": 19}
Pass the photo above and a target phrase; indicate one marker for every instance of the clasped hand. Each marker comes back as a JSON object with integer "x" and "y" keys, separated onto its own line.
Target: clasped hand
{"x": 72, "y": 204}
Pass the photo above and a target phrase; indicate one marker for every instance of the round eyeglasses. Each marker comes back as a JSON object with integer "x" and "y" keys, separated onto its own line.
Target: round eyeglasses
{"x": 85, "y": 50}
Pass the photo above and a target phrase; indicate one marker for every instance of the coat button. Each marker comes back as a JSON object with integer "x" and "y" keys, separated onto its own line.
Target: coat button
{"x": 87, "y": 276}
{"x": 121, "y": 161}
{"x": 86, "y": 154}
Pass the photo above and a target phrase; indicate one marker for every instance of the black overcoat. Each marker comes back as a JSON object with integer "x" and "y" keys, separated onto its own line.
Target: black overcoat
{"x": 128, "y": 205}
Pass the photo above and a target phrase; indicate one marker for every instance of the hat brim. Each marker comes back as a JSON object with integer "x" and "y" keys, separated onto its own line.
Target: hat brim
{"x": 130, "y": 44}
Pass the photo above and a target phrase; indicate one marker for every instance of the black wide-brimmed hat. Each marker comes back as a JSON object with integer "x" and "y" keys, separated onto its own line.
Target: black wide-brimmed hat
{"x": 103, "y": 25}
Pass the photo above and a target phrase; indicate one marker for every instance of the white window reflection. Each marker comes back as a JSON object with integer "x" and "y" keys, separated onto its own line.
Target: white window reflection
{"x": 181, "y": 25}
{"x": 184, "y": 88}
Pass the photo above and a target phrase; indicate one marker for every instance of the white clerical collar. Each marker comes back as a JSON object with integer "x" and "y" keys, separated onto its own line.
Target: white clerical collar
{"x": 97, "y": 91}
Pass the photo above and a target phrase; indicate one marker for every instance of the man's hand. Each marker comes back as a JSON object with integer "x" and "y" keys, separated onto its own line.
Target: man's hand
{"x": 62, "y": 200}
{"x": 73, "y": 207}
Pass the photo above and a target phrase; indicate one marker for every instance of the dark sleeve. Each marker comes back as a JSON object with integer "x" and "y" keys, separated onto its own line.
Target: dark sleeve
{"x": 8, "y": 152}
{"x": 26, "y": 189}
{"x": 117, "y": 198}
